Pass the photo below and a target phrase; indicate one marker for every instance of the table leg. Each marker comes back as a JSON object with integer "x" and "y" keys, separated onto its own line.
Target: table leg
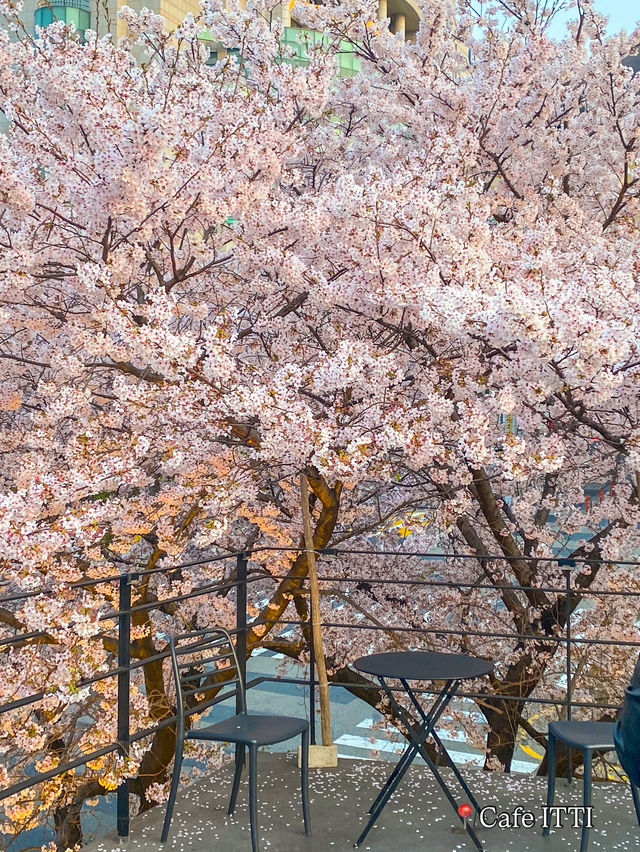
{"x": 381, "y": 802}
{"x": 416, "y": 745}
{"x": 418, "y": 740}
{"x": 429, "y": 730}
{"x": 457, "y": 773}
{"x": 409, "y": 753}
{"x": 450, "y": 693}
{"x": 449, "y": 795}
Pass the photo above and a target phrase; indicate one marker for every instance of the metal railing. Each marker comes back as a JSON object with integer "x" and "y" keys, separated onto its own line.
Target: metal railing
{"x": 241, "y": 582}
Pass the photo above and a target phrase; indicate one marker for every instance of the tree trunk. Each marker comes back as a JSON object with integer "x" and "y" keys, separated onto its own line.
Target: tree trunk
{"x": 68, "y": 826}
{"x": 503, "y": 718}
{"x": 67, "y": 821}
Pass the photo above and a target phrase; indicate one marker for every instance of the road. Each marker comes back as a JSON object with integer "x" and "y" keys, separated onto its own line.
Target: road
{"x": 353, "y": 721}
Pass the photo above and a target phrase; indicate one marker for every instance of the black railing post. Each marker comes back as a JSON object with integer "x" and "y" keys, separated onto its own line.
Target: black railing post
{"x": 241, "y": 637}
{"x": 124, "y": 673}
{"x": 567, "y": 576}
{"x": 312, "y": 685}
{"x": 241, "y": 620}
{"x": 567, "y": 565}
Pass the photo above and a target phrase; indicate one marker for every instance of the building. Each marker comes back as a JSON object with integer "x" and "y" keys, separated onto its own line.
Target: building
{"x": 102, "y": 15}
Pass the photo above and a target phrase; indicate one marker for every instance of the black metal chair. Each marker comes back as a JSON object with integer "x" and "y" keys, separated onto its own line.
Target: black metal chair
{"x": 587, "y": 737}
{"x": 205, "y": 664}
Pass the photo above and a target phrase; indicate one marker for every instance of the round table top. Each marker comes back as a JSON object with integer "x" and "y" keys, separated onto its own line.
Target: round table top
{"x": 423, "y": 665}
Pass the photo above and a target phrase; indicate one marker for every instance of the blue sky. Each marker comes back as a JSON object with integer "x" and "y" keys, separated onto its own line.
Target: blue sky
{"x": 623, "y": 15}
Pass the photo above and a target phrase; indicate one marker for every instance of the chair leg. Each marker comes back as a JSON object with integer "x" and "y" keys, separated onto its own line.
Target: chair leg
{"x": 636, "y": 800}
{"x": 584, "y": 840}
{"x": 304, "y": 782}
{"x": 551, "y": 779}
{"x": 175, "y": 781}
{"x": 253, "y": 796}
{"x": 236, "y": 777}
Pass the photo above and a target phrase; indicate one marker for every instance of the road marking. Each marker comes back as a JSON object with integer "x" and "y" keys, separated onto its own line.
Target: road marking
{"x": 272, "y": 655}
{"x": 444, "y": 734}
{"x": 370, "y": 745}
{"x": 528, "y": 750}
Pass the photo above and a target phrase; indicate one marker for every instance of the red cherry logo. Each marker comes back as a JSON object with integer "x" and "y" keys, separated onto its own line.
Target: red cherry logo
{"x": 465, "y": 811}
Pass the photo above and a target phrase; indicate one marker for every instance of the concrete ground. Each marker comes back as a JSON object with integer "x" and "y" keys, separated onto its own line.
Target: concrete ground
{"x": 417, "y": 817}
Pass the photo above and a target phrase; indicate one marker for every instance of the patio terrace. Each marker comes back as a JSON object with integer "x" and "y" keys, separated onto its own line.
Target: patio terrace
{"x": 417, "y": 818}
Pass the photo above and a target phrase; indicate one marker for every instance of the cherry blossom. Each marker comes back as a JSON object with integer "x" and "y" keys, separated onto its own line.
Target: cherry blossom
{"x": 215, "y": 276}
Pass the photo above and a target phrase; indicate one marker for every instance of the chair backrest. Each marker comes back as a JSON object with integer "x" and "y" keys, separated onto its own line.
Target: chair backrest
{"x": 206, "y": 671}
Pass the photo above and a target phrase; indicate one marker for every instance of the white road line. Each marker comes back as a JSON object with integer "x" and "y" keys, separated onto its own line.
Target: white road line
{"x": 366, "y": 743}
{"x": 388, "y": 747}
{"x": 443, "y": 733}
{"x": 473, "y": 715}
{"x": 273, "y": 656}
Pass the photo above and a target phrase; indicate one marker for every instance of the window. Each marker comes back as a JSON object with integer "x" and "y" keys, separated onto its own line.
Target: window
{"x": 299, "y": 40}
{"x": 74, "y": 12}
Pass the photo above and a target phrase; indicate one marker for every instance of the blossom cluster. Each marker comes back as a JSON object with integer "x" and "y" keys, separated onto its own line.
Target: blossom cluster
{"x": 214, "y": 277}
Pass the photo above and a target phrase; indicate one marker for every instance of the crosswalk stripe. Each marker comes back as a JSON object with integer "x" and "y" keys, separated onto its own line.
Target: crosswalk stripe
{"x": 370, "y": 745}
{"x": 259, "y": 651}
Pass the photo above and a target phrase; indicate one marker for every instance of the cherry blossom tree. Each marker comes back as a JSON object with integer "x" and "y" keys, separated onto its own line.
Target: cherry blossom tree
{"x": 214, "y": 277}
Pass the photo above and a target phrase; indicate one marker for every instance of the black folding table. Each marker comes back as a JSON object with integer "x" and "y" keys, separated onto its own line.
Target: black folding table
{"x": 405, "y": 666}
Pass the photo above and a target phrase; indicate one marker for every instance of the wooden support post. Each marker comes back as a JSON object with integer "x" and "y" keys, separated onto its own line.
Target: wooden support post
{"x": 327, "y": 753}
